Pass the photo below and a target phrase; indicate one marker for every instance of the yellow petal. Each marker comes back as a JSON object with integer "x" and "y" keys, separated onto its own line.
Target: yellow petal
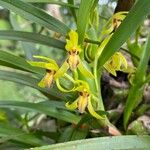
{"x": 73, "y": 105}
{"x": 123, "y": 61}
{"x": 69, "y": 46}
{"x": 73, "y": 61}
{"x": 72, "y": 42}
{"x": 61, "y": 88}
{"x": 110, "y": 69}
{"x": 92, "y": 111}
{"x": 116, "y": 63}
{"x": 82, "y": 86}
{"x": 47, "y": 59}
{"x": 44, "y": 65}
{"x": 46, "y": 81}
{"x": 120, "y": 15}
{"x": 82, "y": 103}
{"x": 73, "y": 37}
{"x": 62, "y": 70}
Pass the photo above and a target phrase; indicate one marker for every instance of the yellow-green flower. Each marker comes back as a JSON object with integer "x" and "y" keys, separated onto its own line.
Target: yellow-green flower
{"x": 51, "y": 68}
{"x": 73, "y": 60}
{"x": 114, "y": 22}
{"x": 84, "y": 100}
{"x": 73, "y": 50}
{"x": 116, "y": 63}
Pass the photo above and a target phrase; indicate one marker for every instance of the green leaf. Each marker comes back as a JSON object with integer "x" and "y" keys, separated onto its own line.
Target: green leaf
{"x": 32, "y": 82}
{"x": 129, "y": 25}
{"x": 51, "y": 2}
{"x": 31, "y": 37}
{"x": 130, "y": 142}
{"x": 32, "y": 13}
{"x": 135, "y": 93}
{"x": 83, "y": 17}
{"x": 51, "y": 108}
{"x": 8, "y": 132}
{"x": 16, "y": 62}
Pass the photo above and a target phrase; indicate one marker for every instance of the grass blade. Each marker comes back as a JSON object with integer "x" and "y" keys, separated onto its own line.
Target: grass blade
{"x": 32, "y": 13}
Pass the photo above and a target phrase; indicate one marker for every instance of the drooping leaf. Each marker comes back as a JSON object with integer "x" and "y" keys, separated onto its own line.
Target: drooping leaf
{"x": 16, "y": 62}
{"x": 34, "y": 14}
{"x": 31, "y": 37}
{"x": 52, "y": 2}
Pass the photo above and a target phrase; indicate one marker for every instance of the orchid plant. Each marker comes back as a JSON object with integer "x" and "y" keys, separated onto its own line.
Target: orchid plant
{"x": 68, "y": 66}
{"x": 81, "y": 71}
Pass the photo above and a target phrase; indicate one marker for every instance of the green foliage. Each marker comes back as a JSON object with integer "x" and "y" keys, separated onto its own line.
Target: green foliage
{"x": 78, "y": 53}
{"x": 125, "y": 142}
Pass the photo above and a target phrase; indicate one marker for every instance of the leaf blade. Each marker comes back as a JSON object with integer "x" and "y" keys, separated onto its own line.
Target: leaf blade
{"x": 35, "y": 14}
{"x": 51, "y": 108}
{"x": 31, "y": 37}
{"x": 117, "y": 142}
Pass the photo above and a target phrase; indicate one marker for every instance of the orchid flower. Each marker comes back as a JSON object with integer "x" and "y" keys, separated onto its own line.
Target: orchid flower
{"x": 73, "y": 60}
{"x": 114, "y": 22}
{"x": 84, "y": 100}
{"x": 51, "y": 68}
{"x": 116, "y": 63}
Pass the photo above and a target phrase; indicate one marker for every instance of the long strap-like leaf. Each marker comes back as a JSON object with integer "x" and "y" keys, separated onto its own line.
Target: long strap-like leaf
{"x": 31, "y": 37}
{"x": 131, "y": 142}
{"x": 35, "y": 14}
{"x": 52, "y": 108}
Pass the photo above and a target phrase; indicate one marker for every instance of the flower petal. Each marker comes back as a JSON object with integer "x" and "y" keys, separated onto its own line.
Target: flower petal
{"x": 73, "y": 105}
{"x": 73, "y": 37}
{"x": 62, "y": 70}
{"x": 82, "y": 103}
{"x": 63, "y": 89}
{"x": 110, "y": 69}
{"x": 69, "y": 45}
{"x": 92, "y": 111}
{"x": 46, "y": 81}
{"x": 47, "y": 59}
{"x": 43, "y": 65}
{"x": 82, "y": 86}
